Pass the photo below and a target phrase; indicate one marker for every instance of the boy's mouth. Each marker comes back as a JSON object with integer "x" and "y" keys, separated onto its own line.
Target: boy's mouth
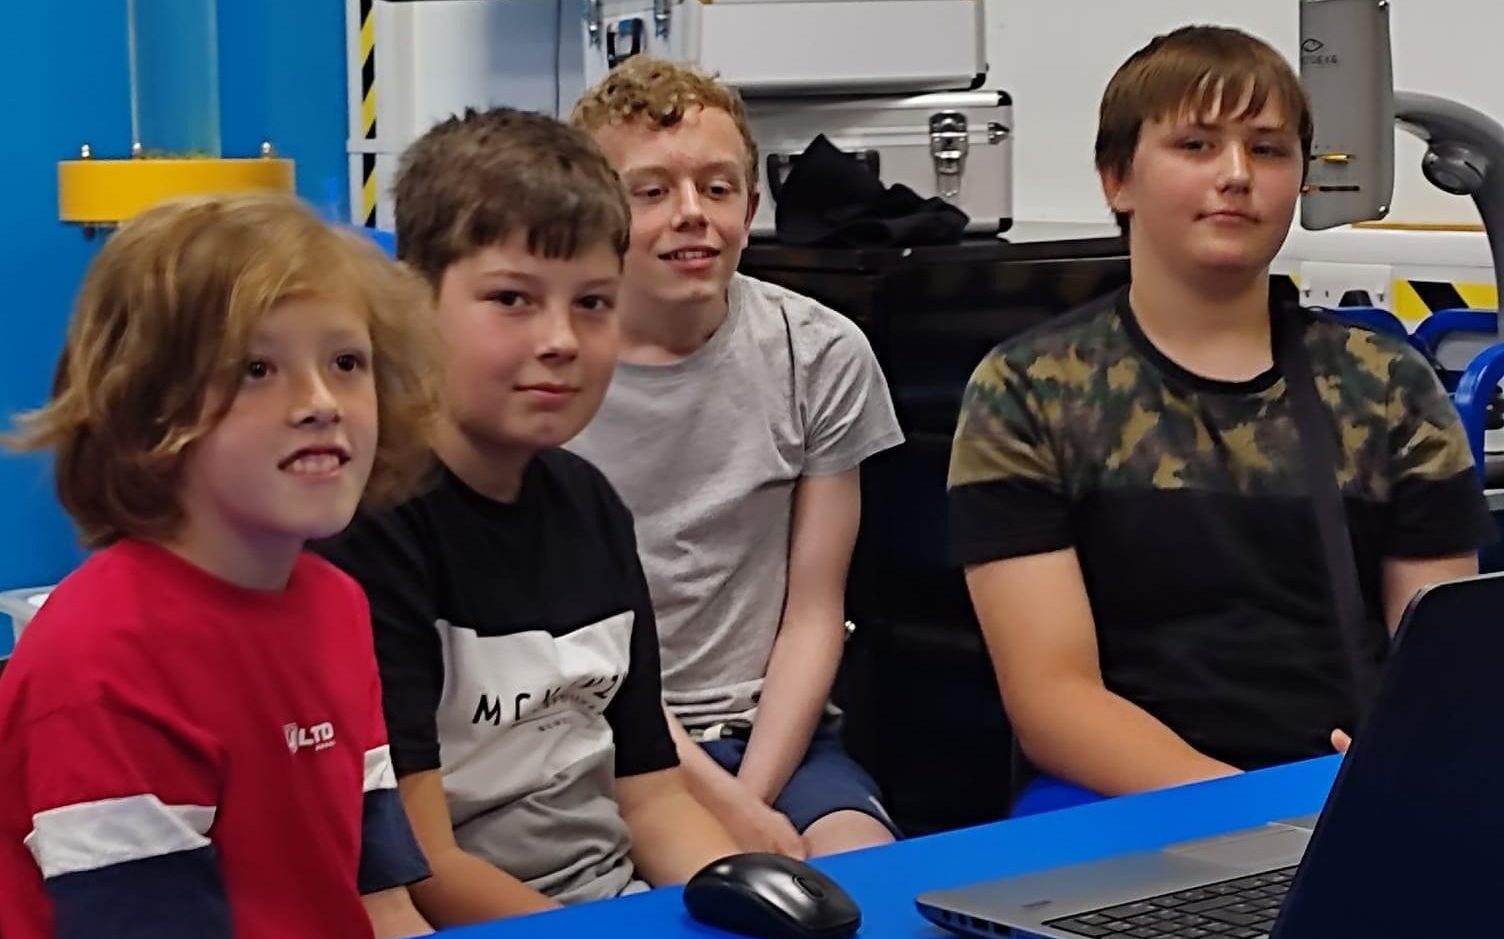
{"x": 1230, "y": 215}
{"x": 690, "y": 254}
{"x": 314, "y": 461}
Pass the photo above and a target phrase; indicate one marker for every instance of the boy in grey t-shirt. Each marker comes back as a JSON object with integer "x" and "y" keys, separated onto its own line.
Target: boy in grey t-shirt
{"x": 733, "y": 429}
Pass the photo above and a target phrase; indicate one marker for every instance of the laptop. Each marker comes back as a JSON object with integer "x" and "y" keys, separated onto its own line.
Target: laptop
{"x": 1409, "y": 843}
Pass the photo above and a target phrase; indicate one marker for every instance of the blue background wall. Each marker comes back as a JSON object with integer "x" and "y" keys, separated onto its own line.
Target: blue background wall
{"x": 65, "y": 72}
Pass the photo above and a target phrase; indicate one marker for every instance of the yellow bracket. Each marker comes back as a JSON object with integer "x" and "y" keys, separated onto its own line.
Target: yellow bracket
{"x": 106, "y": 192}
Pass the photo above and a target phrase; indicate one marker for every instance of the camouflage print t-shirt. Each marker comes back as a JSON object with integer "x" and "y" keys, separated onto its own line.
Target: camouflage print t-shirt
{"x": 1185, "y": 500}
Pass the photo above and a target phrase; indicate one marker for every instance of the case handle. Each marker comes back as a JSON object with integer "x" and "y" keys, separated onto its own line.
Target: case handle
{"x": 627, "y": 29}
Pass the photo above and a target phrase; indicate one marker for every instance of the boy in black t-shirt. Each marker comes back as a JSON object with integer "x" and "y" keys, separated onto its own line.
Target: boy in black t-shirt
{"x": 514, "y": 630}
{"x": 1126, "y": 482}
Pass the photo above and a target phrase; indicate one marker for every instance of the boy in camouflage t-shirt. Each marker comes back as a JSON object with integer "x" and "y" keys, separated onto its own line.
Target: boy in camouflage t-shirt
{"x": 1126, "y": 483}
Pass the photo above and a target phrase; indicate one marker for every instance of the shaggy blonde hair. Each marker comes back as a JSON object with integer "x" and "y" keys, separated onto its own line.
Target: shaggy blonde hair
{"x": 656, "y": 92}
{"x": 157, "y": 342}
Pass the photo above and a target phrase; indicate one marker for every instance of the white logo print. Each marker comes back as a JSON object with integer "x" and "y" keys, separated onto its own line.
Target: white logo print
{"x": 319, "y": 736}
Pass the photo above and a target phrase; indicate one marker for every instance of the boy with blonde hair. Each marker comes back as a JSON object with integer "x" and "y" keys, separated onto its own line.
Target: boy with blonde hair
{"x": 1126, "y": 484}
{"x": 734, "y": 429}
{"x": 517, "y": 645}
{"x": 193, "y": 734}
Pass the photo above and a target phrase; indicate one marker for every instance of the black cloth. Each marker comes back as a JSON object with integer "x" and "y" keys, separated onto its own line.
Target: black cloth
{"x": 831, "y": 199}
{"x": 561, "y": 557}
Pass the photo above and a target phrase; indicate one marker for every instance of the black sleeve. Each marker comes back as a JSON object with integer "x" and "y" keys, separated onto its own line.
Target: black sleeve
{"x": 643, "y": 744}
{"x": 1006, "y": 497}
{"x": 384, "y": 552}
{"x": 1437, "y": 503}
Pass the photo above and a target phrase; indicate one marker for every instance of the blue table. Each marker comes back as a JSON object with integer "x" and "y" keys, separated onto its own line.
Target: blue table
{"x": 884, "y": 881}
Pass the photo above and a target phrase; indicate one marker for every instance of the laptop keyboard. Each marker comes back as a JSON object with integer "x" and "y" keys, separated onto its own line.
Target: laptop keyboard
{"x": 1233, "y": 909}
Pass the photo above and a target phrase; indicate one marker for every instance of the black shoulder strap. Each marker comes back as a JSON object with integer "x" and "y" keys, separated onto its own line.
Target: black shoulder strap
{"x": 1321, "y": 461}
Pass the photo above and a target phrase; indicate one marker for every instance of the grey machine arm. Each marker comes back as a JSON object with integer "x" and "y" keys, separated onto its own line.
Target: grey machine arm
{"x": 1464, "y": 156}
{"x": 1345, "y": 65}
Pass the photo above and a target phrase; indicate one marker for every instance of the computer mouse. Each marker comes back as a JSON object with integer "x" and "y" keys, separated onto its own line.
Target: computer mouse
{"x": 771, "y": 897}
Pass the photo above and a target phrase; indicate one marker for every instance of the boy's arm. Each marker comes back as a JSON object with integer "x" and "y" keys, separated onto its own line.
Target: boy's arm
{"x": 754, "y": 825}
{"x": 850, "y": 417}
{"x": 386, "y": 554}
{"x": 807, "y": 652}
{"x": 393, "y": 915}
{"x": 1404, "y": 577}
{"x": 463, "y": 888}
{"x": 1010, "y": 510}
{"x": 1038, "y": 626}
{"x": 673, "y": 835}
{"x": 122, "y": 808}
{"x": 1439, "y": 515}
{"x": 390, "y": 858}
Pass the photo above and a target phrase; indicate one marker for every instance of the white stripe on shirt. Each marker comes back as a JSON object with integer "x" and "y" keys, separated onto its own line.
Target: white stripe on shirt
{"x": 91, "y": 835}
{"x": 379, "y": 772}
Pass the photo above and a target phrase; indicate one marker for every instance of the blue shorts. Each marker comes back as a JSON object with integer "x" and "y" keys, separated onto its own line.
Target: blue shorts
{"x": 827, "y": 781}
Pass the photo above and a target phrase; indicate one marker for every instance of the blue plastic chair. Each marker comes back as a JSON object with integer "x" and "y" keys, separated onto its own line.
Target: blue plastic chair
{"x": 1380, "y": 321}
{"x": 1475, "y": 390}
{"x": 1434, "y": 329}
{"x": 1370, "y": 317}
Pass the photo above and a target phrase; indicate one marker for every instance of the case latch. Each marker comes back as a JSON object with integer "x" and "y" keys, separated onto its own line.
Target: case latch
{"x": 949, "y": 145}
{"x": 662, "y": 16}
{"x": 591, "y": 11}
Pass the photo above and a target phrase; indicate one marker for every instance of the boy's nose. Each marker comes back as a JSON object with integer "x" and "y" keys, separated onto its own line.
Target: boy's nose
{"x": 1236, "y": 172}
{"x": 315, "y": 404}
{"x": 690, "y": 211}
{"x": 557, "y": 337}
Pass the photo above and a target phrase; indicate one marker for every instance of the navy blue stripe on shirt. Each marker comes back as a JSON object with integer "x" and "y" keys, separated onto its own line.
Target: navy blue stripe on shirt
{"x": 177, "y": 894}
{"x": 389, "y": 854}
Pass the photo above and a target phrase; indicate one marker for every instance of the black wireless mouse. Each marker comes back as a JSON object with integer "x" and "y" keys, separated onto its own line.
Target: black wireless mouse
{"x": 771, "y": 897}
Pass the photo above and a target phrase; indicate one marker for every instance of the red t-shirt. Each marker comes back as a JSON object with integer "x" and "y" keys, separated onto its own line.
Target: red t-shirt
{"x": 182, "y": 756}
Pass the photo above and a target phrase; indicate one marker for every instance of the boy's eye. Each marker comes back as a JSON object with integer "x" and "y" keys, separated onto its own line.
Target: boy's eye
{"x": 720, "y": 189}
{"x": 595, "y": 303}
{"x": 256, "y": 369}
{"x": 507, "y": 298}
{"x": 1269, "y": 150}
{"x": 349, "y": 361}
{"x": 1193, "y": 144}
{"x": 648, "y": 192}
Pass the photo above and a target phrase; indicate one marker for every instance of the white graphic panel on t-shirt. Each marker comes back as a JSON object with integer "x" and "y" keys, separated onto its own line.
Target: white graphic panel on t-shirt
{"x": 527, "y": 753}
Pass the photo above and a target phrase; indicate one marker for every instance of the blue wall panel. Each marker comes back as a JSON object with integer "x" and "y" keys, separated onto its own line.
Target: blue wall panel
{"x": 282, "y": 79}
{"x": 65, "y": 70}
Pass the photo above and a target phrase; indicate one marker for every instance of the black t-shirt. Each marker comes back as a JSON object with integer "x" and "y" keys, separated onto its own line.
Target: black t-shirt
{"x": 518, "y": 655}
{"x": 1184, "y": 499}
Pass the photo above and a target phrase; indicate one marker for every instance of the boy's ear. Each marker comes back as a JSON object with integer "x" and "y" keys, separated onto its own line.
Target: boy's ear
{"x": 1115, "y": 187}
{"x": 754, "y": 196}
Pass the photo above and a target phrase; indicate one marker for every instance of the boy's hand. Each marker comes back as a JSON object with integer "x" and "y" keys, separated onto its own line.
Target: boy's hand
{"x": 759, "y": 827}
{"x": 1341, "y": 740}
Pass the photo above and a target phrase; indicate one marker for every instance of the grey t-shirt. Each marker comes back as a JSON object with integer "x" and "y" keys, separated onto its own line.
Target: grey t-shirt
{"x": 706, "y": 452}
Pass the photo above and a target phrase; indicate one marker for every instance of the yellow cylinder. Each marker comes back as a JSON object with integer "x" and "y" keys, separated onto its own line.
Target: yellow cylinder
{"x": 107, "y": 192}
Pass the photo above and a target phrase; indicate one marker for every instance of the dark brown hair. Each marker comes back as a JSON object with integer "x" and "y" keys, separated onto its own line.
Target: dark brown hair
{"x": 475, "y": 180}
{"x": 1195, "y": 69}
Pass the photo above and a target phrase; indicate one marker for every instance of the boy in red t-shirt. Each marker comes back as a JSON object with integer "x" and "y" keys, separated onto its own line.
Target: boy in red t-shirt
{"x": 194, "y": 743}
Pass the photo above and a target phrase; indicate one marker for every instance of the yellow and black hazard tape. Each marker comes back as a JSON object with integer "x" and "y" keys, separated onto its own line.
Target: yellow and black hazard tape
{"x": 368, "y": 191}
{"x": 1414, "y": 300}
